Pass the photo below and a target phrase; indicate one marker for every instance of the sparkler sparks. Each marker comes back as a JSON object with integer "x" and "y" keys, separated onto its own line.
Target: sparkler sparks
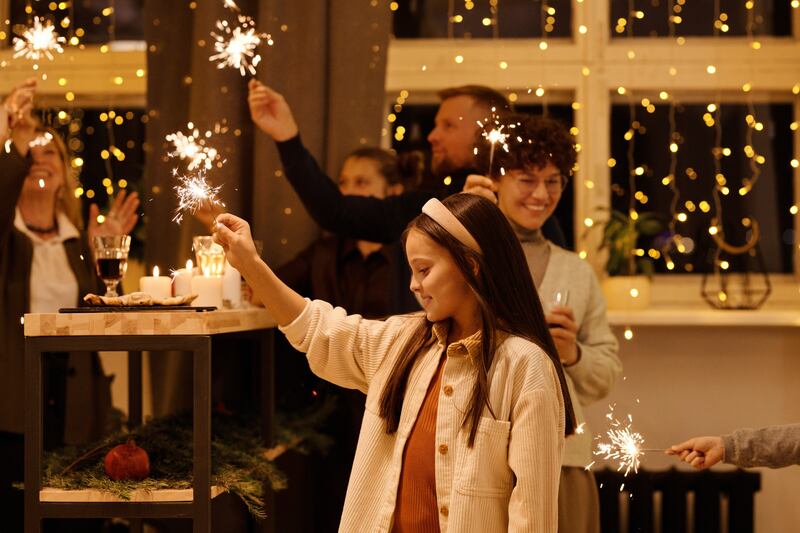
{"x": 230, "y": 4}
{"x": 193, "y": 192}
{"x": 494, "y": 136}
{"x": 193, "y": 149}
{"x": 236, "y": 46}
{"x": 624, "y": 445}
{"x": 38, "y": 41}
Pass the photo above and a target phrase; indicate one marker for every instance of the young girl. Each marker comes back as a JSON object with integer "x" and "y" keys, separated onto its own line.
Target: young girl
{"x": 467, "y": 405}
{"x": 529, "y": 179}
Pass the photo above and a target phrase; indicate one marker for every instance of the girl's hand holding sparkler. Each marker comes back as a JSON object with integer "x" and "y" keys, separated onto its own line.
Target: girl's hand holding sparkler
{"x": 233, "y": 234}
{"x": 482, "y": 186}
{"x": 270, "y": 112}
{"x": 700, "y": 452}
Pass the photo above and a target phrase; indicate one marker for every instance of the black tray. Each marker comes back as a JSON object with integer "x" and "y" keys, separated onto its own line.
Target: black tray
{"x": 133, "y": 308}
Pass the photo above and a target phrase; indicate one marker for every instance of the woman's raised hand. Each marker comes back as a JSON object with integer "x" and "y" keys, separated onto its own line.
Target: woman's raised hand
{"x": 121, "y": 219}
{"x": 233, "y": 234}
{"x": 270, "y": 112}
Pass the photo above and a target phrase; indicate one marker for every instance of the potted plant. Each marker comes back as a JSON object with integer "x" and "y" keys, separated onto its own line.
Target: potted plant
{"x": 629, "y": 267}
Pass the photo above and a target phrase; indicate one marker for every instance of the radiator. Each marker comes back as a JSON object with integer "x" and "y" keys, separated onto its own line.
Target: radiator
{"x": 677, "y": 501}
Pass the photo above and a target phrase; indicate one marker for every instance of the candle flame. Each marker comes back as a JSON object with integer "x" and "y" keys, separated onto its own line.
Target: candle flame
{"x": 189, "y": 265}
{"x": 155, "y": 271}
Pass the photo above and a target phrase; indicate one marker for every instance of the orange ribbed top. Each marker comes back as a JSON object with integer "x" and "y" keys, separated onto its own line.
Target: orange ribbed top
{"x": 417, "y": 510}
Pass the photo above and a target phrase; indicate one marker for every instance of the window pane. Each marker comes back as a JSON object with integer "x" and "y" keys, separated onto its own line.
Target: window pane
{"x": 417, "y": 122}
{"x": 90, "y": 23}
{"x": 515, "y": 18}
{"x": 768, "y": 202}
{"x": 100, "y": 140}
{"x": 697, "y": 18}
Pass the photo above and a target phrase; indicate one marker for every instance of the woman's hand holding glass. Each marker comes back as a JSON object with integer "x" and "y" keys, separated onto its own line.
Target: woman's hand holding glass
{"x": 564, "y": 331}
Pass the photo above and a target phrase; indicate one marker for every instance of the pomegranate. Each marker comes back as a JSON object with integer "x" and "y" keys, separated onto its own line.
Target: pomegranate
{"x": 127, "y": 461}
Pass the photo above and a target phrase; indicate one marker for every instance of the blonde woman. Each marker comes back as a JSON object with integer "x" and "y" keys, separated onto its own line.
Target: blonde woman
{"x": 45, "y": 264}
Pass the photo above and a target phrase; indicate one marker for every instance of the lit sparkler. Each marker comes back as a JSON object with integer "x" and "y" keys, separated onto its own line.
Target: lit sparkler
{"x": 193, "y": 192}
{"x": 494, "y": 136}
{"x": 230, "y": 4}
{"x": 191, "y": 148}
{"x": 235, "y": 46}
{"x": 38, "y": 41}
{"x": 624, "y": 445}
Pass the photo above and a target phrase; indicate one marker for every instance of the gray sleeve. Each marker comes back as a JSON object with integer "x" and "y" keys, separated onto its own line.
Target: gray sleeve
{"x": 774, "y": 446}
{"x": 599, "y": 365}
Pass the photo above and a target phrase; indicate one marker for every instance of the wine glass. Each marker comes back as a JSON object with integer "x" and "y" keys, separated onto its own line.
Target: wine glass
{"x": 111, "y": 260}
{"x": 559, "y": 298}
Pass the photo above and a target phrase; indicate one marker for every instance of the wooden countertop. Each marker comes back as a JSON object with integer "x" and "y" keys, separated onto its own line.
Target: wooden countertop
{"x": 147, "y": 323}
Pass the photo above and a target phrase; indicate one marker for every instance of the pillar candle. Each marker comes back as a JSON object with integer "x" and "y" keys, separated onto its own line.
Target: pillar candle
{"x": 231, "y": 287}
{"x": 182, "y": 280}
{"x": 208, "y": 290}
{"x": 155, "y": 285}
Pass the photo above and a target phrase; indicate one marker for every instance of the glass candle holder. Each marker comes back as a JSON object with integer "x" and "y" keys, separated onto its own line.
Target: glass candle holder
{"x": 210, "y": 256}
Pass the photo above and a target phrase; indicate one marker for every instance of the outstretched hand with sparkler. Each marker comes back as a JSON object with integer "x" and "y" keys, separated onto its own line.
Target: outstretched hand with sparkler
{"x": 270, "y": 112}
{"x": 700, "y": 452}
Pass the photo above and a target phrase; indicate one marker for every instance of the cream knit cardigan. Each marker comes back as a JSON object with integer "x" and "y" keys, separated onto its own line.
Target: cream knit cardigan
{"x": 507, "y": 482}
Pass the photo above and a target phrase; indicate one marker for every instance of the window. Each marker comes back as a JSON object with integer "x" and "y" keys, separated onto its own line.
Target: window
{"x": 434, "y": 19}
{"x": 651, "y": 18}
{"x": 603, "y": 70}
{"x": 769, "y": 201}
{"x": 91, "y": 21}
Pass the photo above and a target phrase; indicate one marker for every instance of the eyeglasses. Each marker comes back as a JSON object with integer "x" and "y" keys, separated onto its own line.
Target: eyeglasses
{"x": 554, "y": 185}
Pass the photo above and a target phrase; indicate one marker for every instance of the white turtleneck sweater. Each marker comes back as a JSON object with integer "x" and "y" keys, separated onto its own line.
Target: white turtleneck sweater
{"x": 592, "y": 377}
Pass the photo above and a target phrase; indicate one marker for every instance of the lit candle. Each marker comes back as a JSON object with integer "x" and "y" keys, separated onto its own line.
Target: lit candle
{"x": 208, "y": 290}
{"x": 182, "y": 280}
{"x": 155, "y": 285}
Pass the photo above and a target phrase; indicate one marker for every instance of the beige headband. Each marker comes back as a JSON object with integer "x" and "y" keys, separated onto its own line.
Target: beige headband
{"x": 438, "y": 212}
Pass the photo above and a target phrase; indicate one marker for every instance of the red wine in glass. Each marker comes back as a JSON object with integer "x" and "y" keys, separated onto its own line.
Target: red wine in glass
{"x": 111, "y": 269}
{"x": 111, "y": 259}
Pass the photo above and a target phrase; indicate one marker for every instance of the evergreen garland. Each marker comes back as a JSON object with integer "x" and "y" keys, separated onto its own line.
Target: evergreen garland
{"x": 240, "y": 463}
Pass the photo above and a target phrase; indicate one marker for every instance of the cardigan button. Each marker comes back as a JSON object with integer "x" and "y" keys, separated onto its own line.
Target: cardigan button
{"x": 444, "y": 510}
{"x": 443, "y": 449}
{"x": 448, "y": 390}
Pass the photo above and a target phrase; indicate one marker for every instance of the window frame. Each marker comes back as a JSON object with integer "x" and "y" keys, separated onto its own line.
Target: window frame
{"x": 772, "y": 70}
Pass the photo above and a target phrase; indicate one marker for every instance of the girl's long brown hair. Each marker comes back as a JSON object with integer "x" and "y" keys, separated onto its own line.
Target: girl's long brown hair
{"x": 507, "y": 300}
